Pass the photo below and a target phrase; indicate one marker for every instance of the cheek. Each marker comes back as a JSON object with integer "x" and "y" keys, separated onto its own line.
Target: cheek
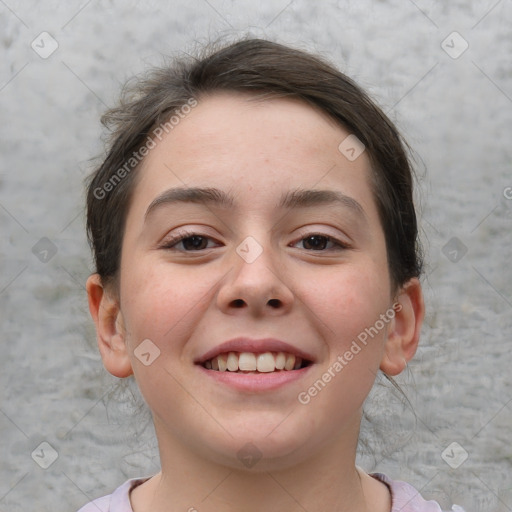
{"x": 162, "y": 306}
{"x": 347, "y": 306}
{"x": 346, "y": 301}
{"x": 159, "y": 303}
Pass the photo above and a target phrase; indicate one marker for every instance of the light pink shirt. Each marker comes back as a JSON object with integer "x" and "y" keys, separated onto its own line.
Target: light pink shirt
{"x": 404, "y": 498}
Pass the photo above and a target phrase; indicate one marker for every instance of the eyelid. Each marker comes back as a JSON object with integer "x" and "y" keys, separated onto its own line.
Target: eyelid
{"x": 341, "y": 239}
{"x": 339, "y": 245}
{"x": 180, "y": 234}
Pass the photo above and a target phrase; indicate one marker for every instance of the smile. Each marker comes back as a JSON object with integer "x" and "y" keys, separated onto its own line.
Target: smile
{"x": 250, "y": 362}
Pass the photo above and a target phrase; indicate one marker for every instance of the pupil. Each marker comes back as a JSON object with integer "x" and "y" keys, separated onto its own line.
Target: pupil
{"x": 194, "y": 242}
{"x": 316, "y": 242}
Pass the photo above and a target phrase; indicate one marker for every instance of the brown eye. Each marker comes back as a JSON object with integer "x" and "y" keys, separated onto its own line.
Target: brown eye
{"x": 195, "y": 243}
{"x": 189, "y": 242}
{"x": 316, "y": 242}
{"x": 320, "y": 243}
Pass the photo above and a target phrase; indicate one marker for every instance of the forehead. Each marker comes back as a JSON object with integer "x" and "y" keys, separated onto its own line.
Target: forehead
{"x": 229, "y": 121}
{"x": 233, "y": 140}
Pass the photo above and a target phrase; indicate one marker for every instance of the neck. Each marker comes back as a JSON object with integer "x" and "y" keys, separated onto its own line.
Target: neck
{"x": 327, "y": 481}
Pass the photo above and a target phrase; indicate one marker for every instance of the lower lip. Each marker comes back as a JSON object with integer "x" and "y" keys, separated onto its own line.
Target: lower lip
{"x": 256, "y": 382}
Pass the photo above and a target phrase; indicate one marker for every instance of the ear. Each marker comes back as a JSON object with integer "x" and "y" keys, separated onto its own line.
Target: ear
{"x": 110, "y": 329}
{"x": 404, "y": 329}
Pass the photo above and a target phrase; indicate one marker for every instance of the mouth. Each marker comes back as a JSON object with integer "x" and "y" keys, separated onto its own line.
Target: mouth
{"x": 250, "y": 356}
{"x": 255, "y": 362}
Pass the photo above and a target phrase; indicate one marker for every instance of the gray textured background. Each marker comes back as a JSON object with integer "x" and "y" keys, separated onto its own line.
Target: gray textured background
{"x": 455, "y": 112}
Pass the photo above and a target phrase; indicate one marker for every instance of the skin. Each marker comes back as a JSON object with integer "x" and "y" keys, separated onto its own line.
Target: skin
{"x": 318, "y": 300}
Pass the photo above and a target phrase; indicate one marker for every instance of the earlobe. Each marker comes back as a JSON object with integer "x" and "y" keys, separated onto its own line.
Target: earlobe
{"x": 404, "y": 330}
{"x": 110, "y": 331}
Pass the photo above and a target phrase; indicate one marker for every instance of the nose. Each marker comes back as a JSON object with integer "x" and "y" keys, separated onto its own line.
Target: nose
{"x": 256, "y": 286}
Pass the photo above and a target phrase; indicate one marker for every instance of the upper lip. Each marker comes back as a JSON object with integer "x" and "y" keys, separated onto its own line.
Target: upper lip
{"x": 253, "y": 345}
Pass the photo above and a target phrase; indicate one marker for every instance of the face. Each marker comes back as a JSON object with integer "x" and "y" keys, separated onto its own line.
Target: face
{"x": 250, "y": 232}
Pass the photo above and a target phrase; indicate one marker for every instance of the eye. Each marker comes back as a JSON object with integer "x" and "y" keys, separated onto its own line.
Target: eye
{"x": 319, "y": 242}
{"x": 188, "y": 242}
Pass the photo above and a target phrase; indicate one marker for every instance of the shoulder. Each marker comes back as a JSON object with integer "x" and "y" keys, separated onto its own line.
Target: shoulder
{"x": 405, "y": 498}
{"x": 118, "y": 501}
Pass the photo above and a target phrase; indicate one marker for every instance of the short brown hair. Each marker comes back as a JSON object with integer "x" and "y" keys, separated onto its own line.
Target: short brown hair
{"x": 253, "y": 66}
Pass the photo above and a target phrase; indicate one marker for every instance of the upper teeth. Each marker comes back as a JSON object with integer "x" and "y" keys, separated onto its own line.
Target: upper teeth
{"x": 248, "y": 361}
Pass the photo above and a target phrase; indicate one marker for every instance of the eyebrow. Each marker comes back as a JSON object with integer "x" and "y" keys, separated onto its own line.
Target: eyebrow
{"x": 198, "y": 195}
{"x": 304, "y": 198}
{"x": 299, "y": 198}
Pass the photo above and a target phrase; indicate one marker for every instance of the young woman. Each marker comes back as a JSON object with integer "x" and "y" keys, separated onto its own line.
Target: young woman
{"x": 255, "y": 242}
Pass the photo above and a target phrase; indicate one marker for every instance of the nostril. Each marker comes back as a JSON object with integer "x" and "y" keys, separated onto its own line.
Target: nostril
{"x": 274, "y": 303}
{"x": 238, "y": 303}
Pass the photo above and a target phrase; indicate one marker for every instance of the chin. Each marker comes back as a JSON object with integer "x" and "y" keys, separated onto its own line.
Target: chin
{"x": 269, "y": 446}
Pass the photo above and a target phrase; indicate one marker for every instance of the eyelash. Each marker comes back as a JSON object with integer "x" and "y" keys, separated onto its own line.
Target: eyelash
{"x": 338, "y": 244}
{"x": 175, "y": 240}
{"x": 171, "y": 243}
